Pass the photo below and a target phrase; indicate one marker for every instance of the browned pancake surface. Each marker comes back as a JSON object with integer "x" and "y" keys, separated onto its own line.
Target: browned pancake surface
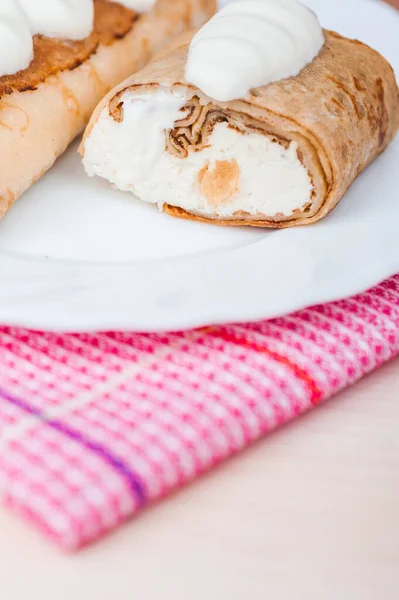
{"x": 112, "y": 21}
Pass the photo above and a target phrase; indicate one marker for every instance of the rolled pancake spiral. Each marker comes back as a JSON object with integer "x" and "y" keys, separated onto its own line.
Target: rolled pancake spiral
{"x": 339, "y": 114}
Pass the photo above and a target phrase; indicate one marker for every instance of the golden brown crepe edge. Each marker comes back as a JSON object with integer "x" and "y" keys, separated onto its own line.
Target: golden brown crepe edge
{"x": 180, "y": 213}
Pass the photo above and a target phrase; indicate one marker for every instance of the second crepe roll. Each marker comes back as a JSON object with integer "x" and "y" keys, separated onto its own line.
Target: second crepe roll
{"x": 44, "y": 107}
{"x": 283, "y": 155}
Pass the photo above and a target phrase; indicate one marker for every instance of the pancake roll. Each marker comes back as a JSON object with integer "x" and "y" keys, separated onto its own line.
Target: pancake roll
{"x": 44, "y": 107}
{"x": 282, "y": 155}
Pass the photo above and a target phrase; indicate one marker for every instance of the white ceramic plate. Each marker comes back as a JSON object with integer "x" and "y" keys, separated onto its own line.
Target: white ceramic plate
{"x": 76, "y": 255}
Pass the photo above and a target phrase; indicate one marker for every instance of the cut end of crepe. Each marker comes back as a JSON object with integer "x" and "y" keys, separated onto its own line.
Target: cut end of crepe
{"x": 206, "y": 164}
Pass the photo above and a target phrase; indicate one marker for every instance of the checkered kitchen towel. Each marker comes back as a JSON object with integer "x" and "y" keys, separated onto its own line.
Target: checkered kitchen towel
{"x": 94, "y": 427}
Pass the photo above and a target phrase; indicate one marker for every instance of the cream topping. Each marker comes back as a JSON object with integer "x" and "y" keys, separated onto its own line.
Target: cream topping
{"x": 63, "y": 19}
{"x": 251, "y": 43}
{"x": 16, "y": 44}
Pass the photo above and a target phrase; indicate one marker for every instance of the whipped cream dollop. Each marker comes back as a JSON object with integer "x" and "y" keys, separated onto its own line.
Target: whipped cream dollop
{"x": 63, "y": 19}
{"x": 251, "y": 43}
{"x": 16, "y": 44}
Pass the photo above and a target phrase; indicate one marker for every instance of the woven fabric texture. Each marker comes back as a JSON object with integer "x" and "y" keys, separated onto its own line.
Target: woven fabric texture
{"x": 94, "y": 427}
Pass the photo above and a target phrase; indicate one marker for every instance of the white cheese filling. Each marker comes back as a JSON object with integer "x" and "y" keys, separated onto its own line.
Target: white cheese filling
{"x": 234, "y": 172}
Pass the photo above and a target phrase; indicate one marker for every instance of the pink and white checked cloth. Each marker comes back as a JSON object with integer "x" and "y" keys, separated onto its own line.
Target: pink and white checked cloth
{"x": 94, "y": 427}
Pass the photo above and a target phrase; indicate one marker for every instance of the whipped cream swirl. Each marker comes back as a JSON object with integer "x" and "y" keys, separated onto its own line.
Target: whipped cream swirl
{"x": 251, "y": 43}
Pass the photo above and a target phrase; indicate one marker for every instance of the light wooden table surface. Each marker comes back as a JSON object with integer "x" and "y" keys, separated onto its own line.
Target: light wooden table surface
{"x": 310, "y": 513}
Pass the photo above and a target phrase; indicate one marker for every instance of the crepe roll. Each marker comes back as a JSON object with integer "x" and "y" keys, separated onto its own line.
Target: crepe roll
{"x": 47, "y": 102}
{"x": 280, "y": 155}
